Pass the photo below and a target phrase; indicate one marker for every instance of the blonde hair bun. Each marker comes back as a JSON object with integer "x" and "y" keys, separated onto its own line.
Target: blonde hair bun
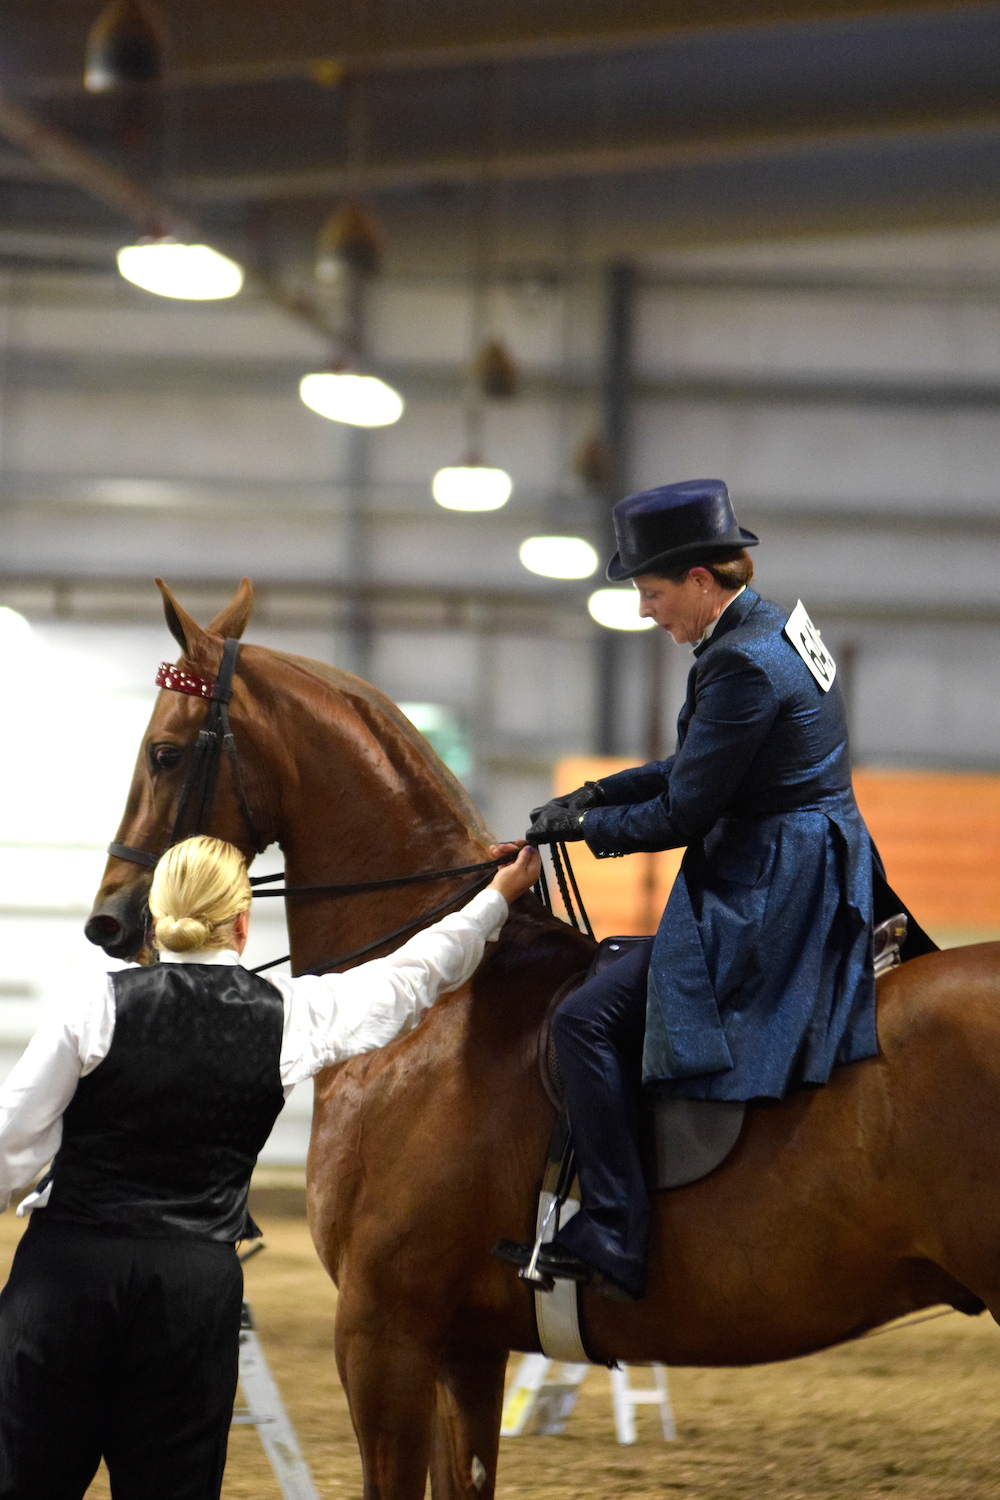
{"x": 199, "y": 888}
{"x": 182, "y": 934}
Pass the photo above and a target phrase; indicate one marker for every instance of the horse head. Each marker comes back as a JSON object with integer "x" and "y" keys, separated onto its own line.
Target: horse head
{"x": 322, "y": 763}
{"x": 118, "y": 920}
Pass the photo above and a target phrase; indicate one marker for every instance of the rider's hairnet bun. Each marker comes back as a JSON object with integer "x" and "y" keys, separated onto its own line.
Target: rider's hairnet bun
{"x": 199, "y": 888}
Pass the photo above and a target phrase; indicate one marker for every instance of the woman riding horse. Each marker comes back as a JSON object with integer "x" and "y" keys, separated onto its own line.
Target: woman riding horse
{"x": 154, "y": 1091}
{"x": 760, "y": 977}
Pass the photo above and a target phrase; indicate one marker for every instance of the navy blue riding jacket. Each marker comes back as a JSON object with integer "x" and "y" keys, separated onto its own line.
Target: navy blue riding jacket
{"x": 761, "y": 975}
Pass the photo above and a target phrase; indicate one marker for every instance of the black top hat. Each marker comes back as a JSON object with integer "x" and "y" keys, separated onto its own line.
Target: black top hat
{"x": 663, "y": 527}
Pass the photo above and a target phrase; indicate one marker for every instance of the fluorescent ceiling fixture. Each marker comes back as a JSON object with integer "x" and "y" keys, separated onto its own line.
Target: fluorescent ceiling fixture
{"x": 618, "y": 609}
{"x": 196, "y": 272}
{"x": 471, "y": 487}
{"x": 359, "y": 400}
{"x": 558, "y": 556}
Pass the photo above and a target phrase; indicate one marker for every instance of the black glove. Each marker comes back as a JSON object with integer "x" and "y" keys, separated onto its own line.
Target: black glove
{"x": 556, "y": 825}
{"x": 586, "y": 796}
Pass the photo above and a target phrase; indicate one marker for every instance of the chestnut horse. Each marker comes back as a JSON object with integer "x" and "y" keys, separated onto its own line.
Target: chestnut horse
{"x": 841, "y": 1207}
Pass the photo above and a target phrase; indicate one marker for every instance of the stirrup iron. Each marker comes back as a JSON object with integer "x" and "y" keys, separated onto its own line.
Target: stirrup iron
{"x": 565, "y": 1156}
{"x": 530, "y": 1273}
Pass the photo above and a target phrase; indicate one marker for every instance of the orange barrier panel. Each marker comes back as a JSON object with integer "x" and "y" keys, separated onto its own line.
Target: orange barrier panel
{"x": 938, "y": 833}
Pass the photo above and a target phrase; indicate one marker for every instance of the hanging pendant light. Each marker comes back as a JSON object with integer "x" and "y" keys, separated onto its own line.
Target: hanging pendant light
{"x": 126, "y": 46}
{"x": 471, "y": 486}
{"x": 558, "y": 556}
{"x": 495, "y": 368}
{"x": 593, "y": 461}
{"x": 169, "y": 268}
{"x": 343, "y": 395}
{"x": 617, "y": 609}
{"x": 350, "y": 241}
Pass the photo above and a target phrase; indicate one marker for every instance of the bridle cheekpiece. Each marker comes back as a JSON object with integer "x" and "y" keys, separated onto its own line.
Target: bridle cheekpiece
{"x": 215, "y": 740}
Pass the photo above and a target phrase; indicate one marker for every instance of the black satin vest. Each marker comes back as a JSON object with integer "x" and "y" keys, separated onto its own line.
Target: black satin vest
{"x": 160, "y": 1139}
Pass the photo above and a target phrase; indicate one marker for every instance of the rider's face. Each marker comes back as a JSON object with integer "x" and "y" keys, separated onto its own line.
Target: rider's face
{"x": 685, "y": 608}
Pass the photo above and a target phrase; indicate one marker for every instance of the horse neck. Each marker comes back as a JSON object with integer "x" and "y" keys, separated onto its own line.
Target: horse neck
{"x": 362, "y": 797}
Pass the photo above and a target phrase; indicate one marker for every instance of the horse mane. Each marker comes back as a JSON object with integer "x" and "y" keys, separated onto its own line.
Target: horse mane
{"x": 533, "y": 935}
{"x": 376, "y": 711}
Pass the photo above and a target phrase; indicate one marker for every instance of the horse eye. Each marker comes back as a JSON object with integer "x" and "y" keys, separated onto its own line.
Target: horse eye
{"x": 165, "y": 757}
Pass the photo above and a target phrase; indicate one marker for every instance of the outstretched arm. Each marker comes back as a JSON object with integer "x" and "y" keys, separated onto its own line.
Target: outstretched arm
{"x": 330, "y": 1017}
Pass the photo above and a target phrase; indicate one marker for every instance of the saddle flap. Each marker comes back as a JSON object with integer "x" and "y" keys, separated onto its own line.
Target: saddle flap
{"x": 691, "y": 1137}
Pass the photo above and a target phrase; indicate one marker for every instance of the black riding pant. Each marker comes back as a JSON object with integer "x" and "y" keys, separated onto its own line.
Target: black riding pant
{"x": 117, "y": 1347}
{"x": 598, "y": 1034}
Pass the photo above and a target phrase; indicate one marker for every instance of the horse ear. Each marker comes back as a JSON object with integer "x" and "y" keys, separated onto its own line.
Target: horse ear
{"x": 233, "y": 620}
{"x": 186, "y": 632}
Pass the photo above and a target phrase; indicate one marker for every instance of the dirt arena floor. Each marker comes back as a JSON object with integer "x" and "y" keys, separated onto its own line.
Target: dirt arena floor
{"x": 914, "y": 1413}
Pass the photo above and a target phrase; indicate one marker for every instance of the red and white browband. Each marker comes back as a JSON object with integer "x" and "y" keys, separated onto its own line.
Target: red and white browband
{"x": 180, "y": 680}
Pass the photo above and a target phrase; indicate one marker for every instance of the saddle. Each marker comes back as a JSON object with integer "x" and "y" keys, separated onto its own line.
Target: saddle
{"x": 684, "y": 1139}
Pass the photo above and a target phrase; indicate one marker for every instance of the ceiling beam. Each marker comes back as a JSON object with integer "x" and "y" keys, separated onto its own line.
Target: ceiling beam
{"x": 446, "y": 37}
{"x": 135, "y": 372}
{"x": 62, "y": 159}
{"x": 551, "y": 166}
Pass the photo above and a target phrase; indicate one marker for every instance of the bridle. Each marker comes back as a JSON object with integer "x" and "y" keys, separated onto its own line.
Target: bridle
{"x": 215, "y": 740}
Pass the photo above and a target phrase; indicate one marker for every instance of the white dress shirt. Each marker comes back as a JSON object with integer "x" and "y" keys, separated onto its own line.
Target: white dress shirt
{"x": 328, "y": 1017}
{"x": 709, "y": 630}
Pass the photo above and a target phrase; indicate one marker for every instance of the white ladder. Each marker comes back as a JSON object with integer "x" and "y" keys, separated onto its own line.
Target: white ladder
{"x": 626, "y": 1399}
{"x": 540, "y": 1401}
{"x": 264, "y": 1410}
{"x": 536, "y": 1402}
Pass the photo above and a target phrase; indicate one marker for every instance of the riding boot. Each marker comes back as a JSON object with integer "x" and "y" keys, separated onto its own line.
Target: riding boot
{"x": 598, "y": 1034}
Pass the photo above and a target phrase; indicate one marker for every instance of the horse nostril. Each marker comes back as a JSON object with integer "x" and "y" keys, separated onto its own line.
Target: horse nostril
{"x": 103, "y": 929}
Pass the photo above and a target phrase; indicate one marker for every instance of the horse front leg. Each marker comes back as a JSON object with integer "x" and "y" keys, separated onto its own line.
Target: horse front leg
{"x": 466, "y": 1432}
{"x": 388, "y": 1374}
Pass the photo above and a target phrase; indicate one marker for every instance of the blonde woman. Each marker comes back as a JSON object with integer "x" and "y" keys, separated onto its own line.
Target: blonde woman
{"x": 152, "y": 1096}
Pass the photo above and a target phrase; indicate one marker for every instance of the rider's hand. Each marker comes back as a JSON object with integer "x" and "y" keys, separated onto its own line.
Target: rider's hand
{"x": 584, "y": 797}
{"x": 513, "y": 880}
{"x": 556, "y": 825}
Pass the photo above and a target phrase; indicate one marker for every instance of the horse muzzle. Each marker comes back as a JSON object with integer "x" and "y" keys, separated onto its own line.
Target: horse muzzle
{"x": 119, "y": 921}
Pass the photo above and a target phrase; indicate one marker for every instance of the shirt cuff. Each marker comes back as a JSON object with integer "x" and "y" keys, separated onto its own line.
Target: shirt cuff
{"x": 489, "y": 912}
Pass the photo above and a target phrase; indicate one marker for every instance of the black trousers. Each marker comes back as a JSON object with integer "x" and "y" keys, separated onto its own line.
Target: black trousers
{"x": 598, "y": 1035}
{"x": 122, "y": 1348}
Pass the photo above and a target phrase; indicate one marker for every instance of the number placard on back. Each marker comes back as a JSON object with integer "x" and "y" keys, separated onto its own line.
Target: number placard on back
{"x": 804, "y": 636}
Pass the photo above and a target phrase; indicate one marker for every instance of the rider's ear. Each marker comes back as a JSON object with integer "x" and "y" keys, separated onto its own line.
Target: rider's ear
{"x": 186, "y": 632}
{"x": 233, "y": 620}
